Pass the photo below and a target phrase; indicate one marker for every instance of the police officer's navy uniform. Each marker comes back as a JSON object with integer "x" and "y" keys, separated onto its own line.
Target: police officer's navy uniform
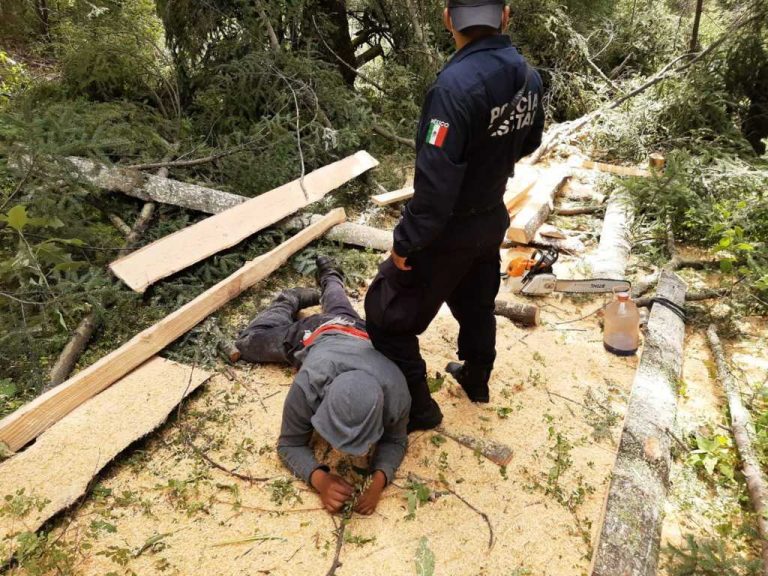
{"x": 482, "y": 115}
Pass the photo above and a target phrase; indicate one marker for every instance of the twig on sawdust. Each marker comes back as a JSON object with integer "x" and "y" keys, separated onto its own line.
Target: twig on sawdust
{"x": 340, "y": 530}
{"x": 582, "y": 317}
{"x": 187, "y": 437}
{"x": 444, "y": 484}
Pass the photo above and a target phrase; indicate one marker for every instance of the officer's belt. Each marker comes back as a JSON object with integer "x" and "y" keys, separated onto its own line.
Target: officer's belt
{"x": 478, "y": 211}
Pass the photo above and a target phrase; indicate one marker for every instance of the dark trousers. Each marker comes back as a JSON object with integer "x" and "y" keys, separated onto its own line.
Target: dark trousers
{"x": 276, "y": 334}
{"x": 400, "y": 305}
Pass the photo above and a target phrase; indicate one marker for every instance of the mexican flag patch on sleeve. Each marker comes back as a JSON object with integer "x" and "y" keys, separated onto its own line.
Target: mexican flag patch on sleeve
{"x": 437, "y": 132}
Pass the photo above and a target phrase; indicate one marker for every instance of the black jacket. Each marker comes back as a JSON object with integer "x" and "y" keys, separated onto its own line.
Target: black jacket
{"x": 483, "y": 114}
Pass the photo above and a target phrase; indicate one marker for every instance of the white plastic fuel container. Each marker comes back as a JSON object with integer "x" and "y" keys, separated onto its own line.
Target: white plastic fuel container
{"x": 622, "y": 326}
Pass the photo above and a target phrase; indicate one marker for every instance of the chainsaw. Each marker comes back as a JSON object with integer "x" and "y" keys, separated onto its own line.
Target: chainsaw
{"x": 534, "y": 277}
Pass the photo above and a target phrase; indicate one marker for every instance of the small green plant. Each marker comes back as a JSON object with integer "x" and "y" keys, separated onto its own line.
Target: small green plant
{"x": 707, "y": 558}
{"x": 714, "y": 456}
{"x": 284, "y": 492}
{"x": 359, "y": 540}
{"x": 425, "y": 559}
{"x": 417, "y": 494}
{"x": 20, "y": 504}
{"x": 438, "y": 440}
{"x": 435, "y": 383}
{"x": 503, "y": 412}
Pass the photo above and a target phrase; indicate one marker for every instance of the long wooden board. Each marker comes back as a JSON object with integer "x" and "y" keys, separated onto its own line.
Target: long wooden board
{"x": 22, "y": 426}
{"x": 517, "y": 188}
{"x": 181, "y": 249}
{"x": 538, "y": 206}
{"x": 393, "y": 197}
{"x": 57, "y": 469}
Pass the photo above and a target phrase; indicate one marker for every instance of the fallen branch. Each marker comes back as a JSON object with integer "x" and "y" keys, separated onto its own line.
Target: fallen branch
{"x": 399, "y": 139}
{"x": 743, "y": 432}
{"x": 444, "y": 484}
{"x": 692, "y": 297}
{"x": 559, "y": 133}
{"x": 498, "y": 453}
{"x": 340, "y": 531}
{"x": 578, "y": 210}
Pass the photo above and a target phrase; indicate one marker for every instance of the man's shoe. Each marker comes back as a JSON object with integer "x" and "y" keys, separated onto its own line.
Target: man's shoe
{"x": 301, "y": 297}
{"x": 426, "y": 420}
{"x": 473, "y": 379}
{"x": 325, "y": 267}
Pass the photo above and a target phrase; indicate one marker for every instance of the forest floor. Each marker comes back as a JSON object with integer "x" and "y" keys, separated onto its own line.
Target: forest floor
{"x": 558, "y": 400}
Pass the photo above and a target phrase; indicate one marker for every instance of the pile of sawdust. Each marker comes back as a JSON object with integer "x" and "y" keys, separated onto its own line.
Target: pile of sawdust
{"x": 553, "y": 392}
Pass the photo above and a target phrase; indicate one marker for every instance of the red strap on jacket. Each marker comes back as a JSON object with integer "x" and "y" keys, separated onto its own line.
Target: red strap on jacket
{"x": 351, "y": 330}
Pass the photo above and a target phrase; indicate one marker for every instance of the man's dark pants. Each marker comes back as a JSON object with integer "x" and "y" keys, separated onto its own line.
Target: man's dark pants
{"x": 276, "y": 333}
{"x": 400, "y": 305}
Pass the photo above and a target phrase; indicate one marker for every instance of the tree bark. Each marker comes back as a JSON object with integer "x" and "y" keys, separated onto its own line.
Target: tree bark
{"x": 154, "y": 188}
{"x": 615, "y": 244}
{"x": 72, "y": 351}
{"x": 525, "y": 314}
{"x": 694, "y": 47}
{"x": 274, "y": 44}
{"x": 743, "y": 431}
{"x": 634, "y": 510}
{"x": 347, "y": 233}
{"x": 339, "y": 38}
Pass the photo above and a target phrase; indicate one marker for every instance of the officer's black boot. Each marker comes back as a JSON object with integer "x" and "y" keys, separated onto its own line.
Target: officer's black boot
{"x": 474, "y": 379}
{"x": 326, "y": 268}
{"x": 300, "y": 297}
{"x": 425, "y": 412}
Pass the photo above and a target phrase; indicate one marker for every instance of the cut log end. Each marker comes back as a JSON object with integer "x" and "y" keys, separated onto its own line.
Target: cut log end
{"x": 525, "y": 314}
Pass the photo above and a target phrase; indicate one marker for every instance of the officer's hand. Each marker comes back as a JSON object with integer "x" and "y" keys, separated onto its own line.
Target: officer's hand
{"x": 368, "y": 501}
{"x": 334, "y": 491}
{"x": 401, "y": 263}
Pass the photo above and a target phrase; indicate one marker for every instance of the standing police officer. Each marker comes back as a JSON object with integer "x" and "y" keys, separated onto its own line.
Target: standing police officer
{"x": 483, "y": 114}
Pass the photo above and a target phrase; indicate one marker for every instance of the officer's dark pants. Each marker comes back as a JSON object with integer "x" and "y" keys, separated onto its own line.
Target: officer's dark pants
{"x": 401, "y": 305}
{"x": 276, "y": 333}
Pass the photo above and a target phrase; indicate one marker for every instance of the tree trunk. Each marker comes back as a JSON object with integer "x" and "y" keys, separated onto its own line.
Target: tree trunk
{"x": 338, "y": 38}
{"x": 525, "y": 314}
{"x": 694, "y": 47}
{"x": 615, "y": 245}
{"x": 634, "y": 510}
{"x": 743, "y": 432}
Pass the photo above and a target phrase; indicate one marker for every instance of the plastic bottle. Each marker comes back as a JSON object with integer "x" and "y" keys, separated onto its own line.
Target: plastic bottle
{"x": 621, "y": 335}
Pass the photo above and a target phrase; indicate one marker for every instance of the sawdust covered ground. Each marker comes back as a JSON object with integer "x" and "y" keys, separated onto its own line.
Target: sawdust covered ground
{"x": 557, "y": 397}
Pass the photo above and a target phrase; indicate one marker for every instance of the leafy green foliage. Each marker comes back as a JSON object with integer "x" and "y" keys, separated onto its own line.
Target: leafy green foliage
{"x": 708, "y": 558}
{"x": 417, "y": 494}
{"x": 425, "y": 558}
{"x": 714, "y": 456}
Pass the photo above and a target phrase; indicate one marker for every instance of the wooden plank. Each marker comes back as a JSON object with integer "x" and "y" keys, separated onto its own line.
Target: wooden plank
{"x": 199, "y": 241}
{"x": 58, "y": 468}
{"x": 577, "y": 162}
{"x": 517, "y": 187}
{"x": 151, "y": 188}
{"x": 393, "y": 197}
{"x": 23, "y": 425}
{"x": 538, "y": 205}
{"x": 634, "y": 507}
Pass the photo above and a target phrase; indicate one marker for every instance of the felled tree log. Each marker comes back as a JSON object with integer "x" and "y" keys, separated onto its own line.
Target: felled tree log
{"x": 72, "y": 351}
{"x": 743, "y": 431}
{"x": 525, "y": 314}
{"x": 347, "y": 233}
{"x": 151, "y": 188}
{"x": 630, "y": 537}
{"x": 612, "y": 256}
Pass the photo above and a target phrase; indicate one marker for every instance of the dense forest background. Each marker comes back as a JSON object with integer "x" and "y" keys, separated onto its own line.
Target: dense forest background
{"x": 260, "y": 90}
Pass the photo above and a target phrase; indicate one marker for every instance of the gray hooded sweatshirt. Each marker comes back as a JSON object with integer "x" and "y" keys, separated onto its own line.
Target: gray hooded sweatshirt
{"x": 332, "y": 354}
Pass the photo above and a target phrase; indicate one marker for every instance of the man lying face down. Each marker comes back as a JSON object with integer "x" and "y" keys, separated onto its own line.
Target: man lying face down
{"x": 346, "y": 391}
